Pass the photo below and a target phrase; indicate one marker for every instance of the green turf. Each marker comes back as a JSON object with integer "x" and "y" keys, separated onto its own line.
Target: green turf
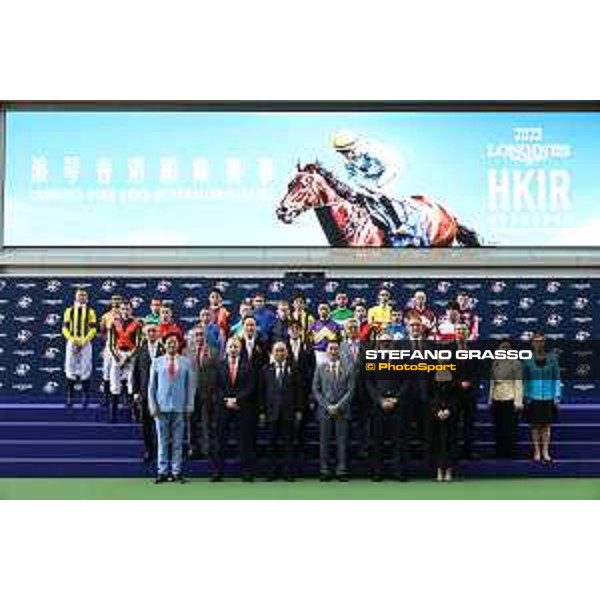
{"x": 141, "y": 489}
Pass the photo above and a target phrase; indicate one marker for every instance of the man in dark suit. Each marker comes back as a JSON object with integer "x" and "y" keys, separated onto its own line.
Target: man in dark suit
{"x": 390, "y": 412}
{"x": 152, "y": 347}
{"x": 205, "y": 362}
{"x": 466, "y": 389}
{"x": 236, "y": 384}
{"x": 333, "y": 388}
{"x": 418, "y": 388}
{"x": 303, "y": 362}
{"x": 281, "y": 406}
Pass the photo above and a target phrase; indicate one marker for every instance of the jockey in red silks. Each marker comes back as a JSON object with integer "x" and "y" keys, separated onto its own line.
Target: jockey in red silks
{"x": 373, "y": 168}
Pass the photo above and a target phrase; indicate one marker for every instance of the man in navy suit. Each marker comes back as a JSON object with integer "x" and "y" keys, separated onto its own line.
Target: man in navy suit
{"x": 281, "y": 405}
{"x": 236, "y": 384}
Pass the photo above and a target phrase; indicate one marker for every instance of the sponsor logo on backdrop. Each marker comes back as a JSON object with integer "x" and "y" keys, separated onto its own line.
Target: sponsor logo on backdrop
{"x": 249, "y": 286}
{"x": 410, "y": 286}
{"x": 304, "y": 286}
{"x": 526, "y": 303}
{"x": 553, "y": 286}
{"x": 22, "y": 369}
{"x": 221, "y": 286}
{"x": 25, "y": 285}
{"x": 136, "y": 302}
{"x": 526, "y": 335}
{"x": 51, "y": 336}
{"x": 80, "y": 285}
{"x": 556, "y": 336}
{"x": 24, "y": 319}
{"x": 50, "y": 369}
{"x": 498, "y": 302}
{"x": 583, "y": 370}
{"x": 52, "y": 319}
{"x": 24, "y": 335}
{"x": 51, "y": 353}
{"x": 580, "y": 303}
{"x": 164, "y": 285}
{"x": 191, "y": 285}
{"x": 582, "y": 335}
{"x": 470, "y": 287}
{"x": 2, "y": 318}
{"x": 50, "y": 387}
{"x": 443, "y": 287}
{"x": 582, "y": 319}
{"x": 21, "y": 387}
{"x": 276, "y": 286}
{"x": 581, "y": 286}
{"x": 188, "y": 319}
{"x": 4, "y": 301}
{"x": 499, "y": 320}
{"x": 52, "y": 301}
{"x": 498, "y": 287}
{"x": 526, "y": 320}
{"x": 109, "y": 285}
{"x": 190, "y": 302}
{"x": 3, "y": 284}
{"x": 331, "y": 286}
{"x": 53, "y": 286}
{"x": 499, "y": 336}
{"x": 23, "y": 353}
{"x": 388, "y": 285}
{"x": 136, "y": 285}
{"x": 584, "y": 387}
{"x": 554, "y": 320}
{"x": 358, "y": 286}
{"x": 24, "y": 302}
{"x": 526, "y": 286}
{"x": 553, "y": 302}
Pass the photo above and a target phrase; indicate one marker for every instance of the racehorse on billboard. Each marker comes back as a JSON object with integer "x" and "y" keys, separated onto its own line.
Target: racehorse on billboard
{"x": 352, "y": 219}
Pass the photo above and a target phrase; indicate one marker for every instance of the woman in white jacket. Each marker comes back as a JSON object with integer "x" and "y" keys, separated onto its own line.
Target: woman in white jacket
{"x": 506, "y": 401}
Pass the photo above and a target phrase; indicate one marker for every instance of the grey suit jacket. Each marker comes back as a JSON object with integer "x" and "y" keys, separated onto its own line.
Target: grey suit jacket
{"x": 328, "y": 390}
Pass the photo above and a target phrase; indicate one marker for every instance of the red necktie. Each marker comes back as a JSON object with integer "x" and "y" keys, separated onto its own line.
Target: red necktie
{"x": 171, "y": 367}
{"x": 232, "y": 370}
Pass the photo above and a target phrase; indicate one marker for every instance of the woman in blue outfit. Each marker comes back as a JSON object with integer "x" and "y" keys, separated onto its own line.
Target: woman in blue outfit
{"x": 541, "y": 395}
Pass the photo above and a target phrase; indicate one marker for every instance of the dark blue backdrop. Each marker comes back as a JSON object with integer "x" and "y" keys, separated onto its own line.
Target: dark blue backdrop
{"x": 31, "y": 345}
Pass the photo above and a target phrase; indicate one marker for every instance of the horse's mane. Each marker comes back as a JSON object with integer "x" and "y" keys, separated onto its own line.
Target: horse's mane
{"x": 341, "y": 189}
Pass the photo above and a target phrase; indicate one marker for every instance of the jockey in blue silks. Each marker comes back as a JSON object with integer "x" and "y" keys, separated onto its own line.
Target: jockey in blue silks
{"x": 372, "y": 168}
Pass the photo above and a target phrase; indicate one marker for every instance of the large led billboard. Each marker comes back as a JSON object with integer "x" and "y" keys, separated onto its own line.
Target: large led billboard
{"x": 256, "y": 178}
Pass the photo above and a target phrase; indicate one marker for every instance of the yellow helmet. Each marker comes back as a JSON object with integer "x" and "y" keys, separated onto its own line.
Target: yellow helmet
{"x": 344, "y": 140}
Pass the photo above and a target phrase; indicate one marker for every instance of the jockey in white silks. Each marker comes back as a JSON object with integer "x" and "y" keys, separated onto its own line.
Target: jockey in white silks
{"x": 372, "y": 168}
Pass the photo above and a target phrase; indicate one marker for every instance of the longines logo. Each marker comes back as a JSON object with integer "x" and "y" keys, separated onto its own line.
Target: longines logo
{"x": 358, "y": 286}
{"x": 526, "y": 320}
{"x": 52, "y": 319}
{"x": 50, "y": 369}
{"x": 188, "y": 319}
{"x": 53, "y": 286}
{"x": 526, "y": 286}
{"x": 52, "y": 301}
{"x": 136, "y": 285}
{"x": 190, "y": 302}
{"x": 499, "y": 336}
{"x": 109, "y": 285}
{"x": 21, "y": 387}
{"x": 191, "y": 285}
{"x": 556, "y": 336}
{"x": 581, "y": 319}
{"x": 24, "y": 319}
{"x": 50, "y": 387}
{"x": 580, "y": 303}
{"x": 409, "y": 286}
{"x": 51, "y": 336}
{"x": 22, "y": 369}
{"x": 554, "y": 302}
{"x": 24, "y": 301}
{"x": 164, "y": 285}
{"x": 51, "y": 353}
{"x": 584, "y": 387}
{"x": 26, "y": 285}
{"x": 526, "y": 303}
{"x": 23, "y": 336}
{"x": 23, "y": 353}
{"x": 581, "y": 286}
{"x": 499, "y": 302}
{"x": 249, "y": 286}
{"x": 305, "y": 286}
{"x": 80, "y": 285}
{"x": 3, "y": 301}
{"x": 471, "y": 287}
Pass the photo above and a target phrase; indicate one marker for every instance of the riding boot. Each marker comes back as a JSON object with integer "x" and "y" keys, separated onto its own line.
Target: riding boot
{"x": 70, "y": 393}
{"x": 113, "y": 408}
{"x": 85, "y": 386}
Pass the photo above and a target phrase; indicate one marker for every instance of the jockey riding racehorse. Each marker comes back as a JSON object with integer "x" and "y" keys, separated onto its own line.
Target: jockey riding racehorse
{"x": 353, "y": 218}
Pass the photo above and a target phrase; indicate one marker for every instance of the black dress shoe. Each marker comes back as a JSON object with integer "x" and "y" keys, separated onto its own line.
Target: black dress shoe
{"x": 325, "y": 477}
{"x": 343, "y": 478}
{"x": 216, "y": 477}
{"x": 161, "y": 479}
{"x": 178, "y": 478}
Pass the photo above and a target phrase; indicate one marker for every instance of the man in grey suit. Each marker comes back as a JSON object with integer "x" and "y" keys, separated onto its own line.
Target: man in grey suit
{"x": 333, "y": 388}
{"x": 205, "y": 364}
{"x": 170, "y": 400}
